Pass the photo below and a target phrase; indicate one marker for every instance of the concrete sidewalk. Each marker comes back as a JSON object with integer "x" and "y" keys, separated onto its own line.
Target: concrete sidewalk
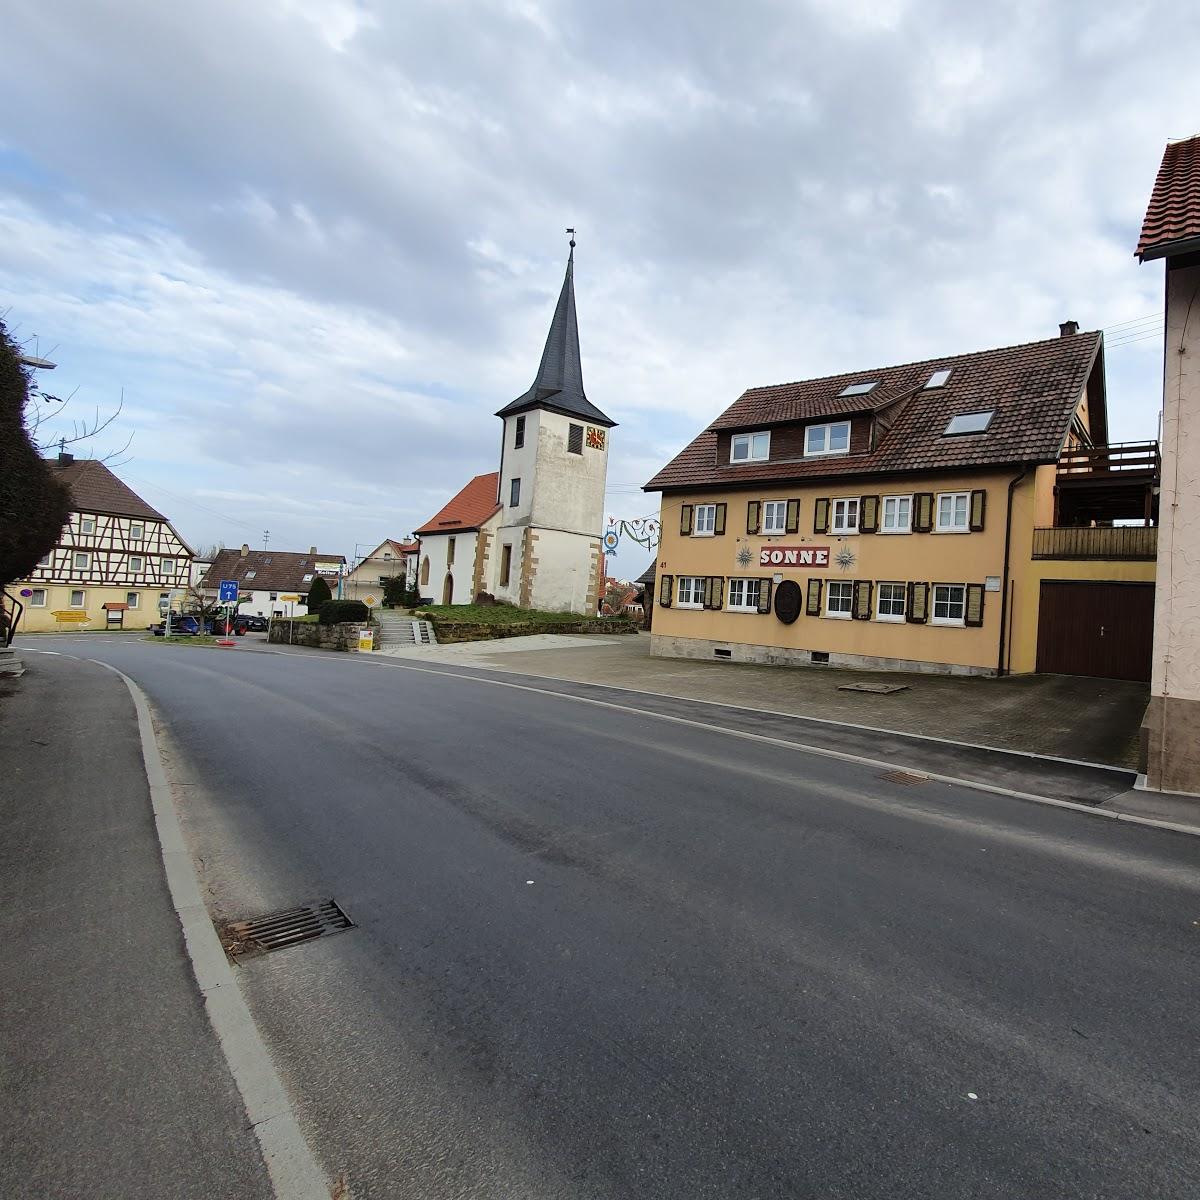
{"x": 114, "y": 1083}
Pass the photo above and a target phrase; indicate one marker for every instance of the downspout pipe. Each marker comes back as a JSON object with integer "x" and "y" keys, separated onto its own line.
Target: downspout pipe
{"x": 1012, "y": 487}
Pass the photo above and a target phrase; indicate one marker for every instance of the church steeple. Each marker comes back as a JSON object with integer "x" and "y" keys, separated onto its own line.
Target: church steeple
{"x": 559, "y": 381}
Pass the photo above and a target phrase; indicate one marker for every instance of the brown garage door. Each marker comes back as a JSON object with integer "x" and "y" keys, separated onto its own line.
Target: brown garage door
{"x": 1102, "y": 629}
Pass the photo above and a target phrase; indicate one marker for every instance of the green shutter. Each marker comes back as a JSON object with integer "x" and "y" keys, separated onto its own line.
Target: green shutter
{"x": 922, "y": 512}
{"x": 685, "y": 520}
{"x": 918, "y": 603}
{"x": 974, "y": 612}
{"x": 753, "y": 509}
{"x": 813, "y": 607}
{"x": 868, "y": 515}
{"x": 862, "y": 600}
{"x": 664, "y": 591}
{"x": 978, "y": 504}
{"x": 714, "y": 591}
{"x": 793, "y": 516}
{"x": 764, "y": 595}
{"x": 821, "y": 516}
{"x": 719, "y": 523}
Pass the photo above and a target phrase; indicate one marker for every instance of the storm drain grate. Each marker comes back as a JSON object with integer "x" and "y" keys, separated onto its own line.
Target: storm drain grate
{"x": 288, "y": 927}
{"x": 904, "y": 777}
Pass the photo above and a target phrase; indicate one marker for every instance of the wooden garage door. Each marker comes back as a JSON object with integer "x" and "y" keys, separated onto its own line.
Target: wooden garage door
{"x": 1101, "y": 629}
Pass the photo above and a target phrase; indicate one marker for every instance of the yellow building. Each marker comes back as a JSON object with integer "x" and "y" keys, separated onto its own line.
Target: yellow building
{"x": 962, "y": 515}
{"x": 116, "y": 560}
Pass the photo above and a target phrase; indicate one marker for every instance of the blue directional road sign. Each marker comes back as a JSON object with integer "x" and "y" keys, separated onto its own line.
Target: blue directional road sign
{"x": 228, "y": 592}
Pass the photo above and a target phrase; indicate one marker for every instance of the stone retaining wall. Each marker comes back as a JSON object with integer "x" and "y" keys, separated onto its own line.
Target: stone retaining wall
{"x": 343, "y": 636}
{"x": 462, "y": 631}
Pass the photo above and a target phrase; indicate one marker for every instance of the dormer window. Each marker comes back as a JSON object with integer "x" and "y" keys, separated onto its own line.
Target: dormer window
{"x": 938, "y": 379}
{"x": 833, "y": 438}
{"x": 976, "y": 422}
{"x": 859, "y": 389}
{"x": 749, "y": 447}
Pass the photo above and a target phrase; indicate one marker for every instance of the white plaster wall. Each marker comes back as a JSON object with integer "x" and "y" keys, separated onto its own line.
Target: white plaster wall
{"x": 1177, "y": 588}
{"x": 569, "y": 492}
{"x": 519, "y": 464}
{"x": 514, "y": 535}
{"x": 436, "y": 546}
{"x": 564, "y": 572}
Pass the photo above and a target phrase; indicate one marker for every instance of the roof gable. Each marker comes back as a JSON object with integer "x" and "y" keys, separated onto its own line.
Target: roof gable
{"x": 267, "y": 570}
{"x": 1172, "y": 218}
{"x": 473, "y": 505}
{"x": 94, "y": 488}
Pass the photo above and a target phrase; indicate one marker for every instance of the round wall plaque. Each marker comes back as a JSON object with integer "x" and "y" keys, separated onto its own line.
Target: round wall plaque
{"x": 787, "y": 601}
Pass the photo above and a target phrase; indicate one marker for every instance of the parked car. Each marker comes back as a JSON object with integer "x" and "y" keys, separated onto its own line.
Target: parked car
{"x": 180, "y": 627}
{"x": 241, "y": 624}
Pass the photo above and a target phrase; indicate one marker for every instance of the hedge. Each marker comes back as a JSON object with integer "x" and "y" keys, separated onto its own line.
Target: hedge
{"x": 334, "y": 612}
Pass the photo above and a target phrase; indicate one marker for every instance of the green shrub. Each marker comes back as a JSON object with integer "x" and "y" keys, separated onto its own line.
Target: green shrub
{"x": 318, "y": 593}
{"x": 334, "y": 612}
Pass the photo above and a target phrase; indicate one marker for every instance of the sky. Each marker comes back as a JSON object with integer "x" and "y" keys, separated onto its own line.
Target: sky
{"x": 311, "y": 248}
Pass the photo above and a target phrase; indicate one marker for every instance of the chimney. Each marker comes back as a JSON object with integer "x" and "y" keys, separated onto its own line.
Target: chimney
{"x": 64, "y": 458}
{"x": 312, "y": 552}
{"x": 245, "y": 551}
{"x": 1068, "y": 329}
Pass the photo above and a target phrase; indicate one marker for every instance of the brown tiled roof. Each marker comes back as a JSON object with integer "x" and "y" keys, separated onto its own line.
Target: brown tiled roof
{"x": 469, "y": 509}
{"x": 1174, "y": 211}
{"x": 1033, "y": 390}
{"x": 94, "y": 488}
{"x": 274, "y": 570}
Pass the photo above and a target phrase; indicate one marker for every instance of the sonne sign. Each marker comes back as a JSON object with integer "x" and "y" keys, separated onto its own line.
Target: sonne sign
{"x": 793, "y": 556}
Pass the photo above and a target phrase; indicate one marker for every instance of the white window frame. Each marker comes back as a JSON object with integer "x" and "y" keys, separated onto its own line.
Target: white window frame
{"x": 776, "y": 508}
{"x": 709, "y": 512}
{"x": 826, "y": 432}
{"x": 701, "y": 582}
{"x": 133, "y": 599}
{"x": 250, "y": 575}
{"x": 136, "y": 531}
{"x": 168, "y": 570}
{"x": 137, "y": 564}
{"x": 883, "y": 514}
{"x": 933, "y": 603}
{"x": 842, "y": 506}
{"x": 85, "y": 565}
{"x": 758, "y": 446}
{"x": 829, "y": 611}
{"x": 44, "y": 561}
{"x": 743, "y": 586}
{"x": 87, "y": 524}
{"x": 34, "y": 602}
{"x": 953, "y": 497}
{"x": 82, "y": 594}
{"x": 894, "y": 618}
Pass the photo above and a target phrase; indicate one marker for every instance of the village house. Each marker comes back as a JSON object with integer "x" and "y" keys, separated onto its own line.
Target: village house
{"x": 389, "y": 560}
{"x": 272, "y": 583}
{"x": 965, "y": 514}
{"x": 116, "y": 563}
{"x": 529, "y": 534}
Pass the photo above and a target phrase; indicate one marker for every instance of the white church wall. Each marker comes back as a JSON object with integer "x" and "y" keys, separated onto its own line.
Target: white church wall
{"x": 436, "y": 548}
{"x": 563, "y": 574}
{"x": 520, "y": 463}
{"x": 569, "y": 492}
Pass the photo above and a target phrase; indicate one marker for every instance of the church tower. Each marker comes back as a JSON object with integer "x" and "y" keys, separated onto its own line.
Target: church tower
{"x": 546, "y": 553}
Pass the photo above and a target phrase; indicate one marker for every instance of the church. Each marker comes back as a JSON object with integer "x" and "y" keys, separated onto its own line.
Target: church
{"x": 529, "y": 533}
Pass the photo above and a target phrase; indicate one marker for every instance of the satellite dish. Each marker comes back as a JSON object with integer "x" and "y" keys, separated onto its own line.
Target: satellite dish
{"x": 41, "y": 364}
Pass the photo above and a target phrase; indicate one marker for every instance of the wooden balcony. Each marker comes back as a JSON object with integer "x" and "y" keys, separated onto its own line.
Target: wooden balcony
{"x": 1121, "y": 543}
{"x": 1124, "y": 460}
{"x": 1107, "y": 483}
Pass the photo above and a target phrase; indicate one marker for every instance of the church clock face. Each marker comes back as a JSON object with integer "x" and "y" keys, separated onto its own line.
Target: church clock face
{"x": 595, "y": 438}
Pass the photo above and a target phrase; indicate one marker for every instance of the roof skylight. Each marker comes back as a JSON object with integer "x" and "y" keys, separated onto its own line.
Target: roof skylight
{"x": 938, "y": 379}
{"x": 858, "y": 389}
{"x": 976, "y": 422}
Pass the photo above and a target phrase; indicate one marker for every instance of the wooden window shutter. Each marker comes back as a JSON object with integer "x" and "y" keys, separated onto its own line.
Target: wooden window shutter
{"x": 868, "y": 515}
{"x": 918, "y": 603}
{"x": 862, "y": 600}
{"x": 922, "y": 512}
{"x": 793, "y": 516}
{"x": 716, "y": 592}
{"x": 813, "y": 607}
{"x": 974, "y": 613}
{"x": 664, "y": 591}
{"x": 821, "y": 515}
{"x": 764, "y": 595}
{"x": 978, "y": 504}
{"x": 719, "y": 524}
{"x": 685, "y": 520}
{"x": 753, "y": 509}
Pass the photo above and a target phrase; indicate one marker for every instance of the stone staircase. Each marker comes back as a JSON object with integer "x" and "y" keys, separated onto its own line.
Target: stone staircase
{"x": 396, "y": 631}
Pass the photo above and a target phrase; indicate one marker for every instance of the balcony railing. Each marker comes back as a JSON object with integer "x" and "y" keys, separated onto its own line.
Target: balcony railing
{"x": 1121, "y": 542}
{"x": 1122, "y": 459}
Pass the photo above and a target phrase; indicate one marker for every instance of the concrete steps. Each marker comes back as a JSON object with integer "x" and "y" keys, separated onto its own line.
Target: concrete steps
{"x": 396, "y": 630}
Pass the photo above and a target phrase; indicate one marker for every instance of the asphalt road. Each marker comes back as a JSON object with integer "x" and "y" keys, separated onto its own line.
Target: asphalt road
{"x": 600, "y": 954}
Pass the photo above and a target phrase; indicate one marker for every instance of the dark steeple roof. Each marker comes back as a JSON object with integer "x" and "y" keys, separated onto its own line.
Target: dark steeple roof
{"x": 559, "y": 382}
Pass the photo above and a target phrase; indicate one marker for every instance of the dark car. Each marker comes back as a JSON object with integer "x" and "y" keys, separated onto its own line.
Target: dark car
{"x": 239, "y": 625}
{"x": 180, "y": 627}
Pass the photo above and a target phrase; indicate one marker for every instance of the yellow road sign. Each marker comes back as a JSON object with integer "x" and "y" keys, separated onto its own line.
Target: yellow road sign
{"x": 366, "y": 639}
{"x": 70, "y": 616}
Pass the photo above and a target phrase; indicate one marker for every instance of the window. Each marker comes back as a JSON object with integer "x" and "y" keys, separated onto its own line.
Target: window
{"x": 743, "y": 594}
{"x": 705, "y": 520}
{"x": 839, "y": 601}
{"x": 44, "y": 561}
{"x": 897, "y": 514}
{"x": 953, "y": 512}
{"x": 859, "y": 389}
{"x": 845, "y": 515}
{"x": 450, "y": 543}
{"x": 37, "y": 598}
{"x": 133, "y": 599}
{"x": 514, "y": 493}
{"x": 691, "y": 591}
{"x": 827, "y": 439}
{"x": 937, "y": 379}
{"x": 505, "y": 564}
{"x": 774, "y": 516}
{"x": 308, "y": 577}
{"x": 87, "y": 525}
{"x": 519, "y": 433}
{"x": 575, "y": 439}
{"x": 249, "y": 574}
{"x": 77, "y": 599}
{"x": 949, "y": 603}
{"x": 750, "y": 447}
{"x": 81, "y": 561}
{"x": 890, "y": 605}
{"x": 135, "y": 563}
{"x": 168, "y": 567}
{"x": 135, "y": 533}
{"x": 976, "y": 422}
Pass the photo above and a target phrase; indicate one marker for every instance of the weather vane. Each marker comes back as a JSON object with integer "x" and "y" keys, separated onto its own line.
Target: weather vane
{"x": 572, "y": 233}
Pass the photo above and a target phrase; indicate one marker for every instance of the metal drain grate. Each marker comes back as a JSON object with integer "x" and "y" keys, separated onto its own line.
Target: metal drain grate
{"x": 288, "y": 927}
{"x": 904, "y": 777}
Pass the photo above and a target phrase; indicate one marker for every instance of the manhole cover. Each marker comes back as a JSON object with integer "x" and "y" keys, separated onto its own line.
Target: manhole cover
{"x": 288, "y": 927}
{"x": 904, "y": 777}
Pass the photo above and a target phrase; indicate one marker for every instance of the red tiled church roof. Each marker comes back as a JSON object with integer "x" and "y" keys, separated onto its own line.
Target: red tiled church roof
{"x": 1174, "y": 211}
{"x": 469, "y": 509}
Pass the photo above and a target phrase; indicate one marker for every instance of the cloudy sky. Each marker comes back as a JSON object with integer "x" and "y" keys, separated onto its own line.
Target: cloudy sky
{"x": 317, "y": 245}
